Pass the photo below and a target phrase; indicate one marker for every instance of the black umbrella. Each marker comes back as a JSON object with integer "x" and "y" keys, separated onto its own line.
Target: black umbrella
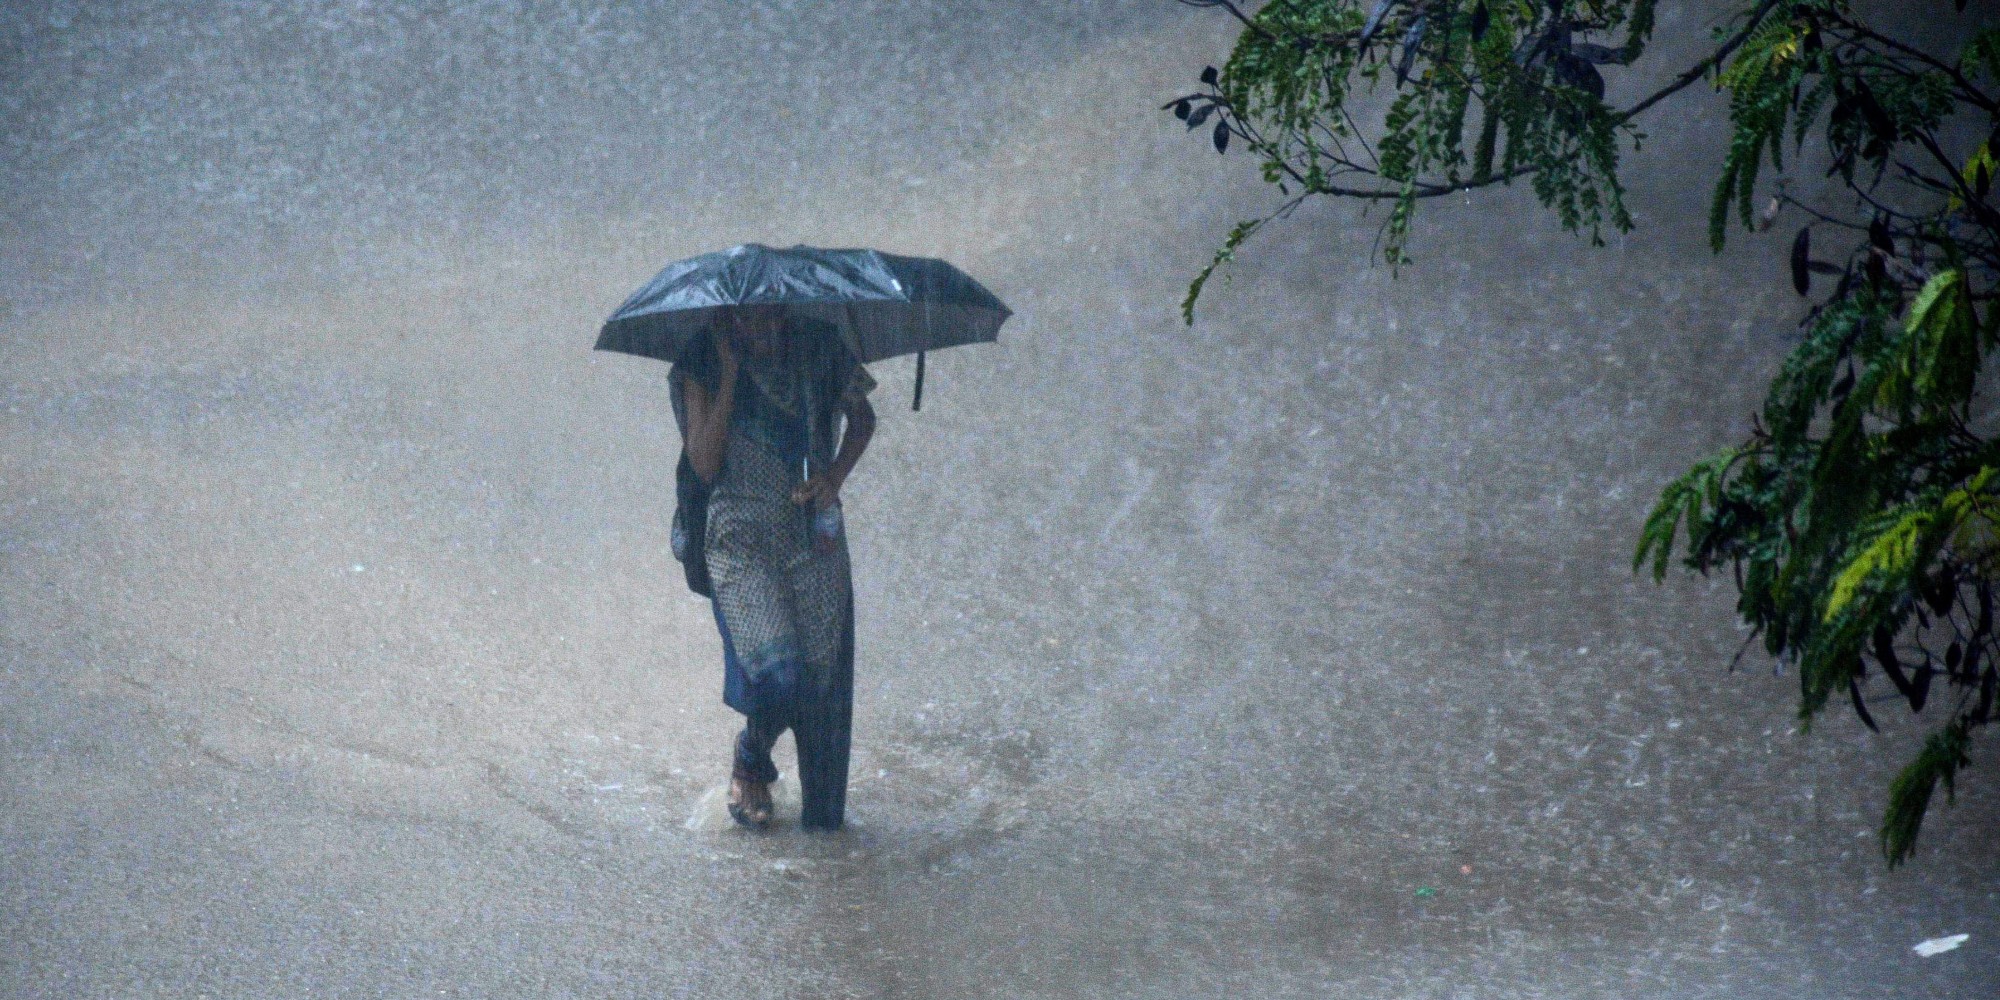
{"x": 880, "y": 304}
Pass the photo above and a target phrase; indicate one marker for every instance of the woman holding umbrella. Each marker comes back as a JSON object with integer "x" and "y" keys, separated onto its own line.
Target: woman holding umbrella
{"x": 748, "y": 398}
{"x": 767, "y": 346}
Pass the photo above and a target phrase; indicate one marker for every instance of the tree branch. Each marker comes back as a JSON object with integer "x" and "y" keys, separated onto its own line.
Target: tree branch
{"x": 1233, "y": 12}
{"x": 1695, "y": 72}
{"x": 1972, "y": 94}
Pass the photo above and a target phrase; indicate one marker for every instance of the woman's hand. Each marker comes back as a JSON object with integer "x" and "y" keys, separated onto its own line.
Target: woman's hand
{"x": 708, "y": 416}
{"x": 818, "y": 493}
{"x": 823, "y": 490}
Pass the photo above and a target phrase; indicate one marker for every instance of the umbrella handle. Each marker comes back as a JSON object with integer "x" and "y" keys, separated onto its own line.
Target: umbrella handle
{"x": 917, "y": 399}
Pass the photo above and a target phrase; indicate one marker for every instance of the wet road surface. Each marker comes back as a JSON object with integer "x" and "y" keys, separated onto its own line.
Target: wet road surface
{"x": 1292, "y": 654}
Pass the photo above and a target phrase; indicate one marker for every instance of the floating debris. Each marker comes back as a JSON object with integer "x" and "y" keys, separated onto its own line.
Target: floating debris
{"x": 1939, "y": 945}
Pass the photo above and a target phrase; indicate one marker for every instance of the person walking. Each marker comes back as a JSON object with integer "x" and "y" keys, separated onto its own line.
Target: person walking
{"x": 768, "y": 347}
{"x": 756, "y": 401}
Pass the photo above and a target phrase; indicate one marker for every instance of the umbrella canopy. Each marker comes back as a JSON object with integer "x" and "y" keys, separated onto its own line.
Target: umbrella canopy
{"x": 882, "y": 304}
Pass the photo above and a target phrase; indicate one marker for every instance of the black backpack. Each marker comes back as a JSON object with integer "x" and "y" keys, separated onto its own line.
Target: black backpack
{"x": 690, "y": 532}
{"x": 690, "y": 529}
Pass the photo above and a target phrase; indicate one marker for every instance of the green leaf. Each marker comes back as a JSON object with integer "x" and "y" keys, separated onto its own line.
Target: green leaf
{"x": 1682, "y": 500}
{"x": 1891, "y": 555}
{"x": 1943, "y": 344}
{"x": 1943, "y": 755}
{"x": 1903, "y": 543}
{"x": 1222, "y": 256}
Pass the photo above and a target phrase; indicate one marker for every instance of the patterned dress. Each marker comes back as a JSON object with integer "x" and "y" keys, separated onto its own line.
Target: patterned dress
{"x": 785, "y": 610}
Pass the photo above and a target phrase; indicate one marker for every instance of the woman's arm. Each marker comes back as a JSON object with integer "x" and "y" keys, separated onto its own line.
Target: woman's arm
{"x": 708, "y": 416}
{"x": 854, "y": 441}
{"x": 823, "y": 491}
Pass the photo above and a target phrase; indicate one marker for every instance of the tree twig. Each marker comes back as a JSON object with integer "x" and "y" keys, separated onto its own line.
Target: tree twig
{"x": 1972, "y": 94}
{"x": 1695, "y": 72}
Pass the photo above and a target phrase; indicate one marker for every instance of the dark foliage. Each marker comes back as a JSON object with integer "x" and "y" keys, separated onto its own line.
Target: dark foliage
{"x": 1859, "y": 518}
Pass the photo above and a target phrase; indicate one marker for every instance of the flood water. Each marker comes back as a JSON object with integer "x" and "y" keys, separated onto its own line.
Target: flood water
{"x": 1292, "y": 654}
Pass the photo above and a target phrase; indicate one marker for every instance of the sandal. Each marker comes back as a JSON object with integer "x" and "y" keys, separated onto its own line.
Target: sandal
{"x": 750, "y": 803}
